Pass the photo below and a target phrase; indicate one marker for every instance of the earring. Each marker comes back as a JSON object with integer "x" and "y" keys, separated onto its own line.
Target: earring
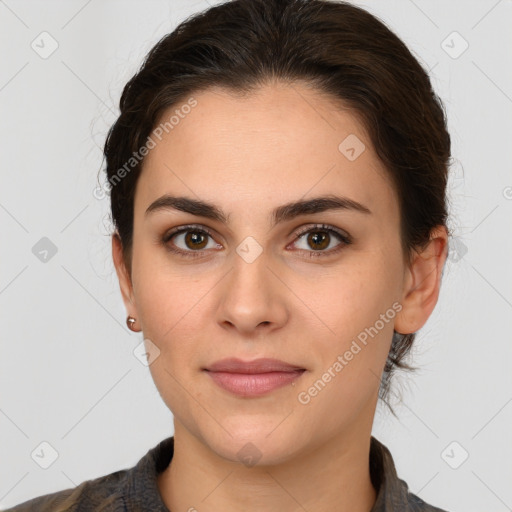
{"x": 130, "y": 321}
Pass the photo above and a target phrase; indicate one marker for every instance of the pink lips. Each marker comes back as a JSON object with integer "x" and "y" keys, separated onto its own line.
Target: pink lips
{"x": 253, "y": 378}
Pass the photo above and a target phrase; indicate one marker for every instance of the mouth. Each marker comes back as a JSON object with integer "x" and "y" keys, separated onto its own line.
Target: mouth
{"x": 262, "y": 365}
{"x": 253, "y": 378}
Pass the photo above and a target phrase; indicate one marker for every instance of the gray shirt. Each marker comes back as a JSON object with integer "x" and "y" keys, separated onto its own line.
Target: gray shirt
{"x": 135, "y": 489}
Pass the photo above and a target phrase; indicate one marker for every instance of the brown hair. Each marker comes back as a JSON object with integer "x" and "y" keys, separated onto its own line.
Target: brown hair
{"x": 337, "y": 48}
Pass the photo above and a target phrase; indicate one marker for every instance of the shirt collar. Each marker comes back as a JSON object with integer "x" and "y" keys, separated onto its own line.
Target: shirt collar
{"x": 392, "y": 493}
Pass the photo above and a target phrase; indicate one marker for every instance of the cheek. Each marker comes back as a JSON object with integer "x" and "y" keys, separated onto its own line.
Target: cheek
{"x": 166, "y": 294}
{"x": 351, "y": 296}
{"x": 355, "y": 306}
{"x": 176, "y": 311}
{"x": 173, "y": 316}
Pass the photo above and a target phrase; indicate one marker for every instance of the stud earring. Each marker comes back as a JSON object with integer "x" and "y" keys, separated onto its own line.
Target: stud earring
{"x": 130, "y": 321}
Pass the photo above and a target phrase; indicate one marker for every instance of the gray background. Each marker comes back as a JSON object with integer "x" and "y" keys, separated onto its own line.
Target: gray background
{"x": 68, "y": 375}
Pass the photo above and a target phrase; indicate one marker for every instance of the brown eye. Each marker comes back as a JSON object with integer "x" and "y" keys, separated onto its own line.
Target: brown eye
{"x": 189, "y": 241}
{"x": 319, "y": 239}
{"x": 196, "y": 240}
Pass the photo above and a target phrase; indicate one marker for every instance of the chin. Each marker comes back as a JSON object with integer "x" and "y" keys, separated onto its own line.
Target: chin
{"x": 254, "y": 443}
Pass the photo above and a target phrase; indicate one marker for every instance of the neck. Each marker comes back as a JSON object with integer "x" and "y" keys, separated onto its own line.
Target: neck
{"x": 333, "y": 475}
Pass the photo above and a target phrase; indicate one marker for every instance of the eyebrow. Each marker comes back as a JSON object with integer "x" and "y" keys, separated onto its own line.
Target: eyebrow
{"x": 282, "y": 213}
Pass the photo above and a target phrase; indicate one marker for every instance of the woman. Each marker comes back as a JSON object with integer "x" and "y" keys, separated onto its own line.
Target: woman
{"x": 278, "y": 175}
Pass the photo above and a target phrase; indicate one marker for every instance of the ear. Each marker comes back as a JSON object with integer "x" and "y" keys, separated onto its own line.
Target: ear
{"x": 123, "y": 275}
{"x": 422, "y": 283}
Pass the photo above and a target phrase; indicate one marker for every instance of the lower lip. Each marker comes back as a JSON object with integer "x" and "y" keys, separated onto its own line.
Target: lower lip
{"x": 256, "y": 384}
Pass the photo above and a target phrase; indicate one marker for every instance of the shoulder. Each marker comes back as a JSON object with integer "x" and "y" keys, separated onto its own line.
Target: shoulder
{"x": 393, "y": 492}
{"x": 416, "y": 504}
{"x": 103, "y": 494}
{"x": 400, "y": 498}
{"x": 136, "y": 486}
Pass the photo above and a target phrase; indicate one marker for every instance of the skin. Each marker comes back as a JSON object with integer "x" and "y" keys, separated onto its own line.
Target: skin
{"x": 249, "y": 155}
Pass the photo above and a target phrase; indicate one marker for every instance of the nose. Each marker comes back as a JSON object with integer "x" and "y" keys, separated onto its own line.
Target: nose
{"x": 253, "y": 299}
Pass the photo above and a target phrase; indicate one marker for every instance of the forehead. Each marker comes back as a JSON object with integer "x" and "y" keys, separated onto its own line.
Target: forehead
{"x": 277, "y": 144}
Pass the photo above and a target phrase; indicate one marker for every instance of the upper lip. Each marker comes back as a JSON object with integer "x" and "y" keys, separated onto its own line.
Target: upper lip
{"x": 264, "y": 365}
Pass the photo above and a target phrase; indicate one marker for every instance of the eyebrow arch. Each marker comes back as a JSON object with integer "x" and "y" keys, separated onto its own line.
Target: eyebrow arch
{"x": 282, "y": 213}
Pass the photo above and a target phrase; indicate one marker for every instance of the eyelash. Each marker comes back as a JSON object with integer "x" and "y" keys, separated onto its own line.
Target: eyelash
{"x": 344, "y": 238}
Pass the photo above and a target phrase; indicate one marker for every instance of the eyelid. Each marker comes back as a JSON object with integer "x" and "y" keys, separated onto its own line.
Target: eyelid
{"x": 307, "y": 228}
{"x": 188, "y": 227}
{"x": 344, "y": 237}
{"x": 318, "y": 227}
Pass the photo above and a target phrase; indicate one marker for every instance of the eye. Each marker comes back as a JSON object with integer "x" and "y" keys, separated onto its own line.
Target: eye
{"x": 320, "y": 237}
{"x": 192, "y": 240}
{"x": 188, "y": 241}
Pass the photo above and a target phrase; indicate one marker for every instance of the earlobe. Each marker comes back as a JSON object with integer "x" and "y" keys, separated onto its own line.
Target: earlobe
{"x": 122, "y": 274}
{"x": 423, "y": 283}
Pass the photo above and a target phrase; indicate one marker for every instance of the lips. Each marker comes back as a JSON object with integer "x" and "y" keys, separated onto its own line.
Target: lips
{"x": 264, "y": 365}
{"x": 252, "y": 379}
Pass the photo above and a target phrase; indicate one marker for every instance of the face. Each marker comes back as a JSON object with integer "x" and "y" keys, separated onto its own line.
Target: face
{"x": 300, "y": 285}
